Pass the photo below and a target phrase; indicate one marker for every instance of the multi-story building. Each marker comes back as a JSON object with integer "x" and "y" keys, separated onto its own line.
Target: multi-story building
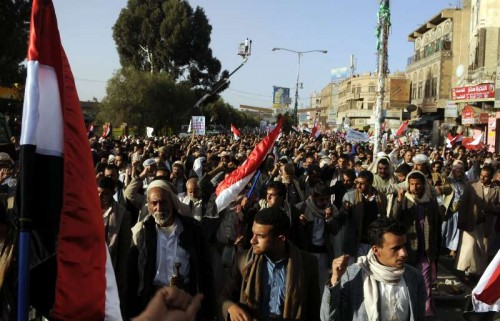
{"x": 439, "y": 48}
{"x": 474, "y": 92}
{"x": 353, "y": 99}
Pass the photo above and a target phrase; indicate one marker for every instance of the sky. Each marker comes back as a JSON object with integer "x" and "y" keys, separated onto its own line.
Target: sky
{"x": 338, "y": 26}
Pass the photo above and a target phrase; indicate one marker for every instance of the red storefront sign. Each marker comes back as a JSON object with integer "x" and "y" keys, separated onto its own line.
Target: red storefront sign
{"x": 471, "y": 117}
{"x": 483, "y": 118}
{"x": 481, "y": 91}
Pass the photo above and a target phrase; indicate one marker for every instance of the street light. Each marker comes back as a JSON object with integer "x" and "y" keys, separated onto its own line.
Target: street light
{"x": 299, "y": 54}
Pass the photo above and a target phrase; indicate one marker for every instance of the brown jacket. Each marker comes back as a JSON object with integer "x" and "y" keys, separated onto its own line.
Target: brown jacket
{"x": 302, "y": 299}
{"x": 476, "y": 208}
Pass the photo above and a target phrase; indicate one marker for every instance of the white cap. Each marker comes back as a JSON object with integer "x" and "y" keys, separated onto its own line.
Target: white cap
{"x": 420, "y": 159}
{"x": 148, "y": 162}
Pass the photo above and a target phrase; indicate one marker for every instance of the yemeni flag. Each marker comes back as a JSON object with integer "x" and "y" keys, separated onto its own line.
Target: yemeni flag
{"x": 473, "y": 143}
{"x": 486, "y": 294}
{"x": 235, "y": 132}
{"x": 316, "y": 131}
{"x": 234, "y": 183}
{"x": 90, "y": 130}
{"x": 402, "y": 128}
{"x": 71, "y": 276}
{"x": 106, "y": 130}
{"x": 450, "y": 140}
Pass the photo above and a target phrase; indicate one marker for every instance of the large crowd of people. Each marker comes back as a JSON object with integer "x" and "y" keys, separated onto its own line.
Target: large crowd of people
{"x": 328, "y": 231}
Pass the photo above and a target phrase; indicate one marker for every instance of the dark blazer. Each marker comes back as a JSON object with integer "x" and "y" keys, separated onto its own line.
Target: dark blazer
{"x": 142, "y": 267}
{"x": 345, "y": 300}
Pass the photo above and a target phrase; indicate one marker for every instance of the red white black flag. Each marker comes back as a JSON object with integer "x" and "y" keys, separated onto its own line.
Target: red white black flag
{"x": 234, "y": 183}
{"x": 71, "y": 274}
{"x": 235, "y": 132}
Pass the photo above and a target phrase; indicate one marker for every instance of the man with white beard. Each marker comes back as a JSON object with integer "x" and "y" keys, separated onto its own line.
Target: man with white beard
{"x": 162, "y": 241}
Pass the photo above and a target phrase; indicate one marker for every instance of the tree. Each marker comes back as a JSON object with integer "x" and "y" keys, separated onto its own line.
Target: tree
{"x": 287, "y": 122}
{"x": 143, "y": 99}
{"x": 168, "y": 36}
{"x": 14, "y": 30}
{"x": 224, "y": 114}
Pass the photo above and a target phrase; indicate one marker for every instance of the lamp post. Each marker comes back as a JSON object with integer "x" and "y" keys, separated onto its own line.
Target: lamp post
{"x": 299, "y": 55}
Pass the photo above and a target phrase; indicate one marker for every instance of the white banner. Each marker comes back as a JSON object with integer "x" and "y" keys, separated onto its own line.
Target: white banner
{"x": 355, "y": 136}
{"x": 149, "y": 131}
{"x": 450, "y": 110}
{"x": 198, "y": 125}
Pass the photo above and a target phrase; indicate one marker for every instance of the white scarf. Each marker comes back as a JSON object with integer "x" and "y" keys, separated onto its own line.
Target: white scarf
{"x": 375, "y": 271}
{"x": 313, "y": 210}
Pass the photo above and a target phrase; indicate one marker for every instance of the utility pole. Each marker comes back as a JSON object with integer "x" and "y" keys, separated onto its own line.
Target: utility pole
{"x": 384, "y": 22}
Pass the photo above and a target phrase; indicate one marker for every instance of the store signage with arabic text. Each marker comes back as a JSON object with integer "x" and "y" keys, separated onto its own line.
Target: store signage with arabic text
{"x": 481, "y": 91}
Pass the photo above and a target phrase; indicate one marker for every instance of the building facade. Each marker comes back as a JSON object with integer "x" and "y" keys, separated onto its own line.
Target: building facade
{"x": 477, "y": 78}
{"x": 353, "y": 99}
{"x": 439, "y": 48}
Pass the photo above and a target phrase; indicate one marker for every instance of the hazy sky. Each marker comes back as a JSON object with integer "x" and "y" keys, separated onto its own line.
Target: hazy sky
{"x": 342, "y": 27}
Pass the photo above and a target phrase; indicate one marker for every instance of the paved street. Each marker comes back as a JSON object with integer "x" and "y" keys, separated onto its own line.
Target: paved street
{"x": 450, "y": 306}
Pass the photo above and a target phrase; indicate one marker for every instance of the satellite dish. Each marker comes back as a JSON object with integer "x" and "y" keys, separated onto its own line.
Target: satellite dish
{"x": 460, "y": 71}
{"x": 411, "y": 108}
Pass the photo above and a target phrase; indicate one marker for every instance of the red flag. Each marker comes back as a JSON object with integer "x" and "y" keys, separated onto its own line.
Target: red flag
{"x": 316, "y": 131}
{"x": 486, "y": 294}
{"x": 234, "y": 183}
{"x": 473, "y": 143}
{"x": 402, "y": 128}
{"x": 90, "y": 130}
{"x": 71, "y": 270}
{"x": 235, "y": 132}
{"x": 107, "y": 130}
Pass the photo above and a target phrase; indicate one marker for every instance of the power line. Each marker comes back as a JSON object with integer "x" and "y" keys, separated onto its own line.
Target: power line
{"x": 260, "y": 95}
{"x": 249, "y": 93}
{"x": 90, "y": 80}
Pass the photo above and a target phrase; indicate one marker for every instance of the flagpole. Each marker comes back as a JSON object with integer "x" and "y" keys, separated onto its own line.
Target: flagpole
{"x": 23, "y": 273}
{"x": 257, "y": 175}
{"x": 382, "y": 33}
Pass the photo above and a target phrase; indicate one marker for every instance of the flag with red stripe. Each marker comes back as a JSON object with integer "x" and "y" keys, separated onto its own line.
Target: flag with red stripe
{"x": 316, "y": 131}
{"x": 473, "y": 143}
{"x": 106, "y": 130}
{"x": 90, "y": 130}
{"x": 70, "y": 267}
{"x": 450, "y": 140}
{"x": 486, "y": 294}
{"x": 234, "y": 183}
{"x": 402, "y": 128}
{"x": 235, "y": 132}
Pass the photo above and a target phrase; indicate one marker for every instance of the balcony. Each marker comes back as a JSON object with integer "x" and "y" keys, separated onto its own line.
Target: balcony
{"x": 481, "y": 74}
{"x": 430, "y": 52}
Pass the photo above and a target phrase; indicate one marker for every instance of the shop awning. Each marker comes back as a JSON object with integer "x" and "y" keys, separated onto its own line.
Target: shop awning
{"x": 425, "y": 120}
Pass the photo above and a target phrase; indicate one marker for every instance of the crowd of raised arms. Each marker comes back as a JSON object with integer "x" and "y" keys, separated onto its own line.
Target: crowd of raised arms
{"x": 325, "y": 229}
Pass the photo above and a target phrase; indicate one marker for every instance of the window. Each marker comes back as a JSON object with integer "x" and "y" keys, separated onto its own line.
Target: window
{"x": 414, "y": 91}
{"x": 419, "y": 93}
{"x": 370, "y": 106}
{"x": 434, "y": 87}
{"x": 371, "y": 88}
{"x": 427, "y": 88}
{"x": 358, "y": 89}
